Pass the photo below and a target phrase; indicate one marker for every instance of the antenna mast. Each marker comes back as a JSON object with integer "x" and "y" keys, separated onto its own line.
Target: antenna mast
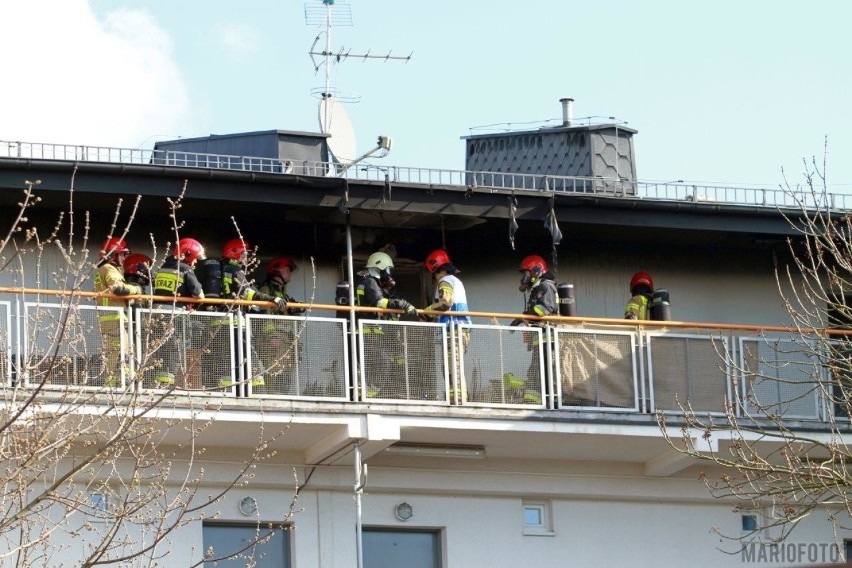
{"x": 334, "y": 120}
{"x": 330, "y": 13}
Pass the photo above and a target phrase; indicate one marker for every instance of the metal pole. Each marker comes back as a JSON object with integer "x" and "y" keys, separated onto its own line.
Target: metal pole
{"x": 359, "y": 490}
{"x": 327, "y": 95}
{"x": 350, "y": 275}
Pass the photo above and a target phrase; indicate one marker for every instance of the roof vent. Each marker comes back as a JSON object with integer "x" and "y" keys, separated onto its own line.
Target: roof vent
{"x": 567, "y": 111}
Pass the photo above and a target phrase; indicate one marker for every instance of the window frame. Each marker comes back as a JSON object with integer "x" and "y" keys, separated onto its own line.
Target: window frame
{"x": 545, "y": 528}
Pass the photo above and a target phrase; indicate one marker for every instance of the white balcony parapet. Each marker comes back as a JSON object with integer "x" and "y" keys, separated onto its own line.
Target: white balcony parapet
{"x": 604, "y": 366}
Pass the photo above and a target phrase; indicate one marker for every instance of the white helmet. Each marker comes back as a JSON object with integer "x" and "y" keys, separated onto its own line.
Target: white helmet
{"x": 379, "y": 260}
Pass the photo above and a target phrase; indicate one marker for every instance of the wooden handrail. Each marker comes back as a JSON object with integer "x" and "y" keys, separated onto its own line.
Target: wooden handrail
{"x": 488, "y": 315}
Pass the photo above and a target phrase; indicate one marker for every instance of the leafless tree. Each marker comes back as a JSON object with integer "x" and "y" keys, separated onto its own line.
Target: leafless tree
{"x": 765, "y": 453}
{"x": 94, "y": 473}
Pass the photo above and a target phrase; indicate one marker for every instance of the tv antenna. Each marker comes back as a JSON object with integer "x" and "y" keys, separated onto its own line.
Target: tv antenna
{"x": 333, "y": 118}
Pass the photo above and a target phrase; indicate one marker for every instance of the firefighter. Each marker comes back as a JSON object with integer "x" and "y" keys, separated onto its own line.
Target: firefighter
{"x": 449, "y": 296}
{"x": 543, "y": 300}
{"x": 137, "y": 270}
{"x": 173, "y": 335}
{"x": 237, "y": 286}
{"x": 235, "y": 283}
{"x": 113, "y": 325}
{"x": 641, "y": 290}
{"x": 375, "y": 286}
{"x": 279, "y": 271}
{"x": 383, "y": 351}
{"x": 277, "y": 339}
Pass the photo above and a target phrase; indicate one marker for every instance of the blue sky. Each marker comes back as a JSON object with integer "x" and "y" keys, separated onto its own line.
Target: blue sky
{"x": 728, "y": 91}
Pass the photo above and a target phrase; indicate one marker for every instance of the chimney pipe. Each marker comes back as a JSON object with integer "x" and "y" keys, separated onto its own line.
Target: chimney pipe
{"x": 567, "y": 111}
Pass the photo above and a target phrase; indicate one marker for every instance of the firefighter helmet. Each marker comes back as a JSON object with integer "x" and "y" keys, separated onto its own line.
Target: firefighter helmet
{"x": 113, "y": 245}
{"x": 535, "y": 264}
{"x": 641, "y": 278}
{"x": 188, "y": 250}
{"x": 436, "y": 259}
{"x": 277, "y": 265}
{"x": 137, "y": 263}
{"x": 531, "y": 268}
{"x": 234, "y": 249}
{"x": 379, "y": 260}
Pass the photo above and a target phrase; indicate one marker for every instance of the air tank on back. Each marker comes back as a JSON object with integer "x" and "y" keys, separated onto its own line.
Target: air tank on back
{"x": 567, "y": 303}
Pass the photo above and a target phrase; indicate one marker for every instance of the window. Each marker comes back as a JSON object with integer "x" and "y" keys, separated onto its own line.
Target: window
{"x": 391, "y": 548}
{"x": 99, "y": 505}
{"x": 537, "y": 520}
{"x": 237, "y": 541}
{"x": 749, "y": 523}
{"x": 100, "y": 502}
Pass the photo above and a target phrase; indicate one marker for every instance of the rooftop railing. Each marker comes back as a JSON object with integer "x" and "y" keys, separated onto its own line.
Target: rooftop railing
{"x": 459, "y": 179}
{"x": 606, "y": 366}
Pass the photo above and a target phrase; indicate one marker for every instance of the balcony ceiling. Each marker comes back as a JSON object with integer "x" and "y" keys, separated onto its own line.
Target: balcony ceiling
{"x": 260, "y": 200}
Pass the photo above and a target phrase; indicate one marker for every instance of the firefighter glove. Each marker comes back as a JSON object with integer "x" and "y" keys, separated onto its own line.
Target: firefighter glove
{"x": 282, "y": 304}
{"x": 516, "y": 322}
{"x": 120, "y": 290}
{"x": 410, "y": 314}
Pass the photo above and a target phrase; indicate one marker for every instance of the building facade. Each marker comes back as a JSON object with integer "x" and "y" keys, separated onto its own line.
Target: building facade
{"x": 581, "y": 476}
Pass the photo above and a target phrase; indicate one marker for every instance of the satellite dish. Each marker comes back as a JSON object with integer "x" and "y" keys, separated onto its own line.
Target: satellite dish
{"x": 335, "y": 121}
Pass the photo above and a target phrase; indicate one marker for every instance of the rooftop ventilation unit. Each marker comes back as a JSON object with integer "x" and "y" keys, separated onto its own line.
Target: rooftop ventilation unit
{"x": 601, "y": 148}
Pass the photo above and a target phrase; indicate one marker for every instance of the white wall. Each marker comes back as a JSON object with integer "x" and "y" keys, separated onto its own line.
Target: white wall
{"x": 704, "y": 286}
{"x": 482, "y": 529}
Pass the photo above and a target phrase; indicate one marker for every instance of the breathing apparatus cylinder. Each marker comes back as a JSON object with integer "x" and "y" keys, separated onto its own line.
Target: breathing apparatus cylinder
{"x": 567, "y": 303}
{"x": 661, "y": 309}
{"x": 341, "y": 297}
{"x": 211, "y": 281}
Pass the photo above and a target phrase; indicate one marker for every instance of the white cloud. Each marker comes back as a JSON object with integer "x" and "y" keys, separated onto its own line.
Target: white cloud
{"x": 238, "y": 40}
{"x": 70, "y": 78}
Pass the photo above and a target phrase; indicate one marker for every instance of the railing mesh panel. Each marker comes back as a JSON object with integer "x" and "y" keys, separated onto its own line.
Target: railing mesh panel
{"x": 74, "y": 345}
{"x": 782, "y": 377}
{"x": 403, "y": 361}
{"x": 6, "y": 343}
{"x": 596, "y": 369}
{"x": 298, "y": 357}
{"x": 503, "y": 365}
{"x": 186, "y": 350}
{"x": 689, "y": 372}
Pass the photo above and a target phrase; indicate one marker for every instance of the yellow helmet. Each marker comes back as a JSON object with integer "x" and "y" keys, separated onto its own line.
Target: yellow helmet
{"x": 379, "y": 260}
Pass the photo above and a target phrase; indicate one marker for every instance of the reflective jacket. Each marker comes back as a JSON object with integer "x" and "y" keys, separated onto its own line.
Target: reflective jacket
{"x": 275, "y": 290}
{"x": 177, "y": 279}
{"x": 450, "y": 295}
{"x": 236, "y": 285}
{"x": 106, "y": 277}
{"x": 369, "y": 293}
{"x": 543, "y": 300}
{"x": 638, "y": 307}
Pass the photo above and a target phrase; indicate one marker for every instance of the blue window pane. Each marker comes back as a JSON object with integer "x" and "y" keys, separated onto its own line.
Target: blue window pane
{"x": 532, "y": 517}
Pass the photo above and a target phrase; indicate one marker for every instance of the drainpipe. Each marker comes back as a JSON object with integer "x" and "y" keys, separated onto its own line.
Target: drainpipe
{"x": 360, "y": 482}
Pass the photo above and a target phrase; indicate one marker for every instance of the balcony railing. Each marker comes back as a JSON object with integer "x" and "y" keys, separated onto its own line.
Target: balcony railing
{"x": 609, "y": 367}
{"x": 460, "y": 179}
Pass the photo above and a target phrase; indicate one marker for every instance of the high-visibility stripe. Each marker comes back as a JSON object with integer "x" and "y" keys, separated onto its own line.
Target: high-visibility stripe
{"x": 168, "y": 281}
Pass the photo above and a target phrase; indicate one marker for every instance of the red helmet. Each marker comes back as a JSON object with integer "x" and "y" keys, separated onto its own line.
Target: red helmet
{"x": 276, "y": 265}
{"x": 535, "y": 264}
{"x": 114, "y": 245}
{"x": 641, "y": 278}
{"x": 188, "y": 250}
{"x": 436, "y": 259}
{"x": 234, "y": 249}
{"x": 137, "y": 263}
